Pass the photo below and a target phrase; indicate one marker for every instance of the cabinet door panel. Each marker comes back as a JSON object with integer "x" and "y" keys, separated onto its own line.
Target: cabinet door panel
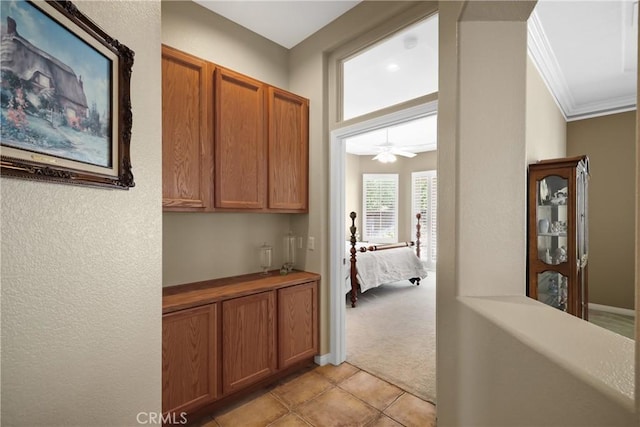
{"x": 248, "y": 340}
{"x": 240, "y": 141}
{"x": 186, "y": 141}
{"x": 288, "y": 150}
{"x": 297, "y": 323}
{"x": 189, "y": 358}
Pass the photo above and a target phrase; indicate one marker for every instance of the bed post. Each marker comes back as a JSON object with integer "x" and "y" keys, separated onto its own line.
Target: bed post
{"x": 352, "y": 270}
{"x": 418, "y": 226}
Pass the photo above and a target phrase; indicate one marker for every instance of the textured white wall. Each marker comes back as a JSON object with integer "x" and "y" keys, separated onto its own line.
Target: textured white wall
{"x": 81, "y": 270}
{"x": 551, "y": 369}
{"x": 504, "y": 359}
{"x": 492, "y": 159}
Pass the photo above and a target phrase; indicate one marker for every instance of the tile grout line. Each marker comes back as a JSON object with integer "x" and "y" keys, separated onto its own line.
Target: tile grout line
{"x": 397, "y": 386}
{"x": 333, "y": 383}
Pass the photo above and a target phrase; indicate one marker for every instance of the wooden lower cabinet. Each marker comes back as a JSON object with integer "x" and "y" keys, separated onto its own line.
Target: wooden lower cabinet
{"x": 225, "y": 337}
{"x": 248, "y": 340}
{"x": 297, "y": 323}
{"x": 189, "y": 362}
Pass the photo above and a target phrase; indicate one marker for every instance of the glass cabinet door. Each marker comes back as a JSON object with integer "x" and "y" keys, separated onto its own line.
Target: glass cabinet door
{"x": 553, "y": 289}
{"x": 582, "y": 237}
{"x": 551, "y": 219}
{"x": 581, "y": 213}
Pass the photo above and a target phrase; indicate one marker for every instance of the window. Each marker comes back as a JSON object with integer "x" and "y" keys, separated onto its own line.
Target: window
{"x": 43, "y": 80}
{"x": 401, "y": 67}
{"x": 380, "y": 207}
{"x": 424, "y": 190}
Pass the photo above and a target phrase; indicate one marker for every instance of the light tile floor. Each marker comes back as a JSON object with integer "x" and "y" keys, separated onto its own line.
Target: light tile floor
{"x": 618, "y": 323}
{"x": 328, "y": 396}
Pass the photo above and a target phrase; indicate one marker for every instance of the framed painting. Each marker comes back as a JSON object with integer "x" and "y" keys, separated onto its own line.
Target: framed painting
{"x": 64, "y": 97}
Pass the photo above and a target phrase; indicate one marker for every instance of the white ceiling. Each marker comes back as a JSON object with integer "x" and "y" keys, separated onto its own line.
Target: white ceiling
{"x": 399, "y": 68}
{"x": 284, "y": 22}
{"x": 586, "y": 51}
{"x": 415, "y": 136}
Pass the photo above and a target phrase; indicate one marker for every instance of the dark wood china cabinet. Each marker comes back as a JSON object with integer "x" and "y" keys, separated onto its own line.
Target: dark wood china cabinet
{"x": 558, "y": 234}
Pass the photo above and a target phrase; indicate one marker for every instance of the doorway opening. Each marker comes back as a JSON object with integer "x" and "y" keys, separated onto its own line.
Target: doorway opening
{"x": 353, "y": 150}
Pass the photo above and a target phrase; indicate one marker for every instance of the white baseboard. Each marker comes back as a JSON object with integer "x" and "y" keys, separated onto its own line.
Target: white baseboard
{"x": 323, "y": 359}
{"x": 610, "y": 309}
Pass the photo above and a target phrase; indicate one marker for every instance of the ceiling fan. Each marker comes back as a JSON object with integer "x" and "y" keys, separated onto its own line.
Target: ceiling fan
{"x": 388, "y": 152}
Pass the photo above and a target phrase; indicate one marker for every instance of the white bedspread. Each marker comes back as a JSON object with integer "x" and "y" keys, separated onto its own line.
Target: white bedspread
{"x": 387, "y": 266}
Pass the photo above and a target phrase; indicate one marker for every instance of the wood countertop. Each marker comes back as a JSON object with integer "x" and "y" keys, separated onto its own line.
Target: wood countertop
{"x": 180, "y": 297}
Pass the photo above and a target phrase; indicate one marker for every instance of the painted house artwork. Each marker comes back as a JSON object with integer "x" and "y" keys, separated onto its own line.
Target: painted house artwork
{"x": 47, "y": 75}
{"x": 45, "y": 106}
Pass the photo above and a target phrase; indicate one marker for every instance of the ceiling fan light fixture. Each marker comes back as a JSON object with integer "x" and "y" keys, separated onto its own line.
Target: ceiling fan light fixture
{"x": 385, "y": 157}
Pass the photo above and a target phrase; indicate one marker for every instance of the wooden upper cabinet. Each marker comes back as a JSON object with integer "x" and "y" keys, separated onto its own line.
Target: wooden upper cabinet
{"x": 230, "y": 142}
{"x": 189, "y": 359}
{"x": 288, "y": 150}
{"x": 187, "y": 154}
{"x": 240, "y": 141}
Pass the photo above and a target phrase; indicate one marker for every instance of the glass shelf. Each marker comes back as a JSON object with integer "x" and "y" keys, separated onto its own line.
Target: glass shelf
{"x": 551, "y": 219}
{"x": 552, "y": 206}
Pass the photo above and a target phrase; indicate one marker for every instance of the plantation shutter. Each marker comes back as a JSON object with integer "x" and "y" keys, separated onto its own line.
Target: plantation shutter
{"x": 433, "y": 212}
{"x": 424, "y": 191}
{"x": 380, "y": 208}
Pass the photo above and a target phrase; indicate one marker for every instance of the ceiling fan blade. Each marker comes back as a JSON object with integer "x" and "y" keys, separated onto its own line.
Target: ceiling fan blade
{"x": 403, "y": 153}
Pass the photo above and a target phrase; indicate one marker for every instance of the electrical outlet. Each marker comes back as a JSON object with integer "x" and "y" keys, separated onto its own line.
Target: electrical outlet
{"x": 299, "y": 242}
{"x": 311, "y": 243}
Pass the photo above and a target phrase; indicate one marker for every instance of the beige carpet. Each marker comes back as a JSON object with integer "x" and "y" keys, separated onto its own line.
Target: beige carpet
{"x": 391, "y": 334}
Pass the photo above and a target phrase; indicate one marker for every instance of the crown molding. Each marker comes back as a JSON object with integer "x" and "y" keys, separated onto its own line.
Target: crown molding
{"x": 603, "y": 108}
{"x": 545, "y": 61}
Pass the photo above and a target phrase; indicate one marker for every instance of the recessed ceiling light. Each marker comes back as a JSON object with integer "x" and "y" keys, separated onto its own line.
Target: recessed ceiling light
{"x": 393, "y": 67}
{"x": 410, "y": 41}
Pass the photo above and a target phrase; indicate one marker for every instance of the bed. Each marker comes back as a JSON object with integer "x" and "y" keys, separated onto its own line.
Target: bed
{"x": 372, "y": 265}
